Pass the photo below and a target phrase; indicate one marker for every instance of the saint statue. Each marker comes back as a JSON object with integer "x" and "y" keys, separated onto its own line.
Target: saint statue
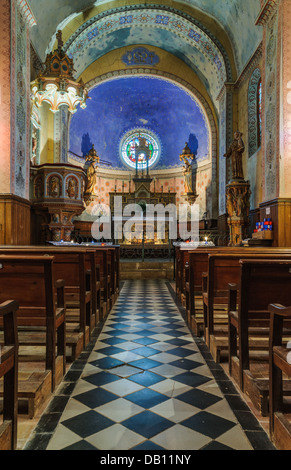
{"x": 91, "y": 164}
{"x": 91, "y": 179}
{"x": 188, "y": 158}
{"x": 92, "y": 155}
{"x": 235, "y": 151}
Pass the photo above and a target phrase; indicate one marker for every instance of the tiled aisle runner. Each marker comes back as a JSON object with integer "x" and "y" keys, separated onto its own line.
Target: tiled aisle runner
{"x": 146, "y": 386}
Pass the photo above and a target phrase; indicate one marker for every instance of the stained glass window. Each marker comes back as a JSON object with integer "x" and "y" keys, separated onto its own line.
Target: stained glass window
{"x": 131, "y": 149}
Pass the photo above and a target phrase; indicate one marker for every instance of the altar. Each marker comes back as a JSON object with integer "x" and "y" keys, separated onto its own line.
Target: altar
{"x": 143, "y": 229}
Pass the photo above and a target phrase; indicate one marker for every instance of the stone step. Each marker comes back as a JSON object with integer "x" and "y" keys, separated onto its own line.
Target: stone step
{"x": 135, "y": 265}
{"x": 146, "y": 270}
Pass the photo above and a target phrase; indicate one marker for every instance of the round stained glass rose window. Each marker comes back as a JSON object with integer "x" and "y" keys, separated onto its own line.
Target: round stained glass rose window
{"x": 140, "y": 148}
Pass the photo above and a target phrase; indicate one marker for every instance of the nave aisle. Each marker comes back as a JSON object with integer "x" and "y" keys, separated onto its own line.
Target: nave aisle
{"x": 147, "y": 384}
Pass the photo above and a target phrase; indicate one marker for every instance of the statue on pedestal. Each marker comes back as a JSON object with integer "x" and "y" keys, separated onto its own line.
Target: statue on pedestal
{"x": 235, "y": 151}
{"x": 237, "y": 193}
{"x": 190, "y": 167}
{"x": 91, "y": 177}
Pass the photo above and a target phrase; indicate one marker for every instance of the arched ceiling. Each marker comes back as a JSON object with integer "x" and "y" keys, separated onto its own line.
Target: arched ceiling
{"x": 231, "y": 22}
{"x": 124, "y": 104}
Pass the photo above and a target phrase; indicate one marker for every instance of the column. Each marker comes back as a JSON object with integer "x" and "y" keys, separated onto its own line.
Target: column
{"x": 16, "y": 20}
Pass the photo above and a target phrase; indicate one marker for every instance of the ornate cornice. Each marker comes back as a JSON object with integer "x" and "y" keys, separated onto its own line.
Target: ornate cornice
{"x": 266, "y": 12}
{"x": 252, "y": 63}
{"x": 26, "y": 12}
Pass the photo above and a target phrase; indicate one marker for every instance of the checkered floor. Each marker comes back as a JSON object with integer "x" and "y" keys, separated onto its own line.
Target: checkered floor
{"x": 147, "y": 384}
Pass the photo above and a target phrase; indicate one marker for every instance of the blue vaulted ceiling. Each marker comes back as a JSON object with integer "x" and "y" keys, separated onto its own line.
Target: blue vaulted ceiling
{"x": 117, "y": 106}
{"x": 236, "y": 17}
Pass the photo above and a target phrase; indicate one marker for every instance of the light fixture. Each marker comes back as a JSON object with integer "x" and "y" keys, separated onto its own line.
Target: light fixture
{"x": 56, "y": 84}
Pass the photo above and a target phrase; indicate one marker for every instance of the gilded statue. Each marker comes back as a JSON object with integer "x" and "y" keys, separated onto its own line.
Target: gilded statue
{"x": 91, "y": 165}
{"x": 92, "y": 155}
{"x": 91, "y": 179}
{"x": 186, "y": 157}
{"x": 235, "y": 151}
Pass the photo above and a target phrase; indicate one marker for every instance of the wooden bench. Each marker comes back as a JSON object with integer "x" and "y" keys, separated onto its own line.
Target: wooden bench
{"x": 108, "y": 261}
{"x": 196, "y": 269}
{"x": 31, "y": 281}
{"x": 196, "y": 265}
{"x": 262, "y": 281}
{"x": 76, "y": 265}
{"x": 103, "y": 259}
{"x": 224, "y": 268}
{"x": 280, "y": 368}
{"x": 195, "y": 273}
{"x": 72, "y": 266}
{"x": 9, "y": 370}
{"x": 114, "y": 271}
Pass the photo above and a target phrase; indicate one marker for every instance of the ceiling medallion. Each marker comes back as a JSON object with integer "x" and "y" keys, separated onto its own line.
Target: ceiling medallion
{"x": 56, "y": 84}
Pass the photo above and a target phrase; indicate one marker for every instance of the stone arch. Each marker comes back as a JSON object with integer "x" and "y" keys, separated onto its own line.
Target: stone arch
{"x": 211, "y": 117}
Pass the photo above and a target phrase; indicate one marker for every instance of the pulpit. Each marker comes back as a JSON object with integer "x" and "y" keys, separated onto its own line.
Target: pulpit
{"x": 57, "y": 196}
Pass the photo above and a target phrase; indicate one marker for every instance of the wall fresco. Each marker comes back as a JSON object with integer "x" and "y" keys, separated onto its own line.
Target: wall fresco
{"x": 119, "y": 105}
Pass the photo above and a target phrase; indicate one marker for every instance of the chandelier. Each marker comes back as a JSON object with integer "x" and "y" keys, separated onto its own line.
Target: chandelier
{"x": 56, "y": 85}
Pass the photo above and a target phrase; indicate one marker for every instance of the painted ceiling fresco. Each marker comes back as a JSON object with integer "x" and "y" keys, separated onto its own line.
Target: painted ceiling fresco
{"x": 157, "y": 28}
{"x": 237, "y": 17}
{"x": 156, "y": 105}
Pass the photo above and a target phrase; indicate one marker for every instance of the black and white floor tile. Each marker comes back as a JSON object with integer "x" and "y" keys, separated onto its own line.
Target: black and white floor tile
{"x": 147, "y": 384}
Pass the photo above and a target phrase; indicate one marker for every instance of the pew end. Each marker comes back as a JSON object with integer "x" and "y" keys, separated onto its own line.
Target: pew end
{"x": 9, "y": 375}
{"x": 280, "y": 368}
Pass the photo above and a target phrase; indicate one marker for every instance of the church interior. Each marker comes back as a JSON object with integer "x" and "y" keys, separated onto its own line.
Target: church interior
{"x": 118, "y": 332}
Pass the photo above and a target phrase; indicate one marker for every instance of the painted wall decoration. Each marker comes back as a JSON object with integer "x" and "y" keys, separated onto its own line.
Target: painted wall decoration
{"x": 20, "y": 106}
{"x": 238, "y": 19}
{"x": 271, "y": 103}
{"x": 158, "y": 106}
{"x": 254, "y": 124}
{"x": 140, "y": 56}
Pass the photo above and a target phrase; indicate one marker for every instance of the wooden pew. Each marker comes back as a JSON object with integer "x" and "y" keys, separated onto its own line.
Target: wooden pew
{"x": 77, "y": 266}
{"x": 195, "y": 273}
{"x": 114, "y": 271}
{"x": 72, "y": 266}
{"x": 96, "y": 264}
{"x": 224, "y": 268}
{"x": 31, "y": 281}
{"x": 262, "y": 282}
{"x": 280, "y": 368}
{"x": 9, "y": 370}
{"x": 108, "y": 262}
{"x": 196, "y": 269}
{"x": 103, "y": 259}
{"x": 196, "y": 265}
